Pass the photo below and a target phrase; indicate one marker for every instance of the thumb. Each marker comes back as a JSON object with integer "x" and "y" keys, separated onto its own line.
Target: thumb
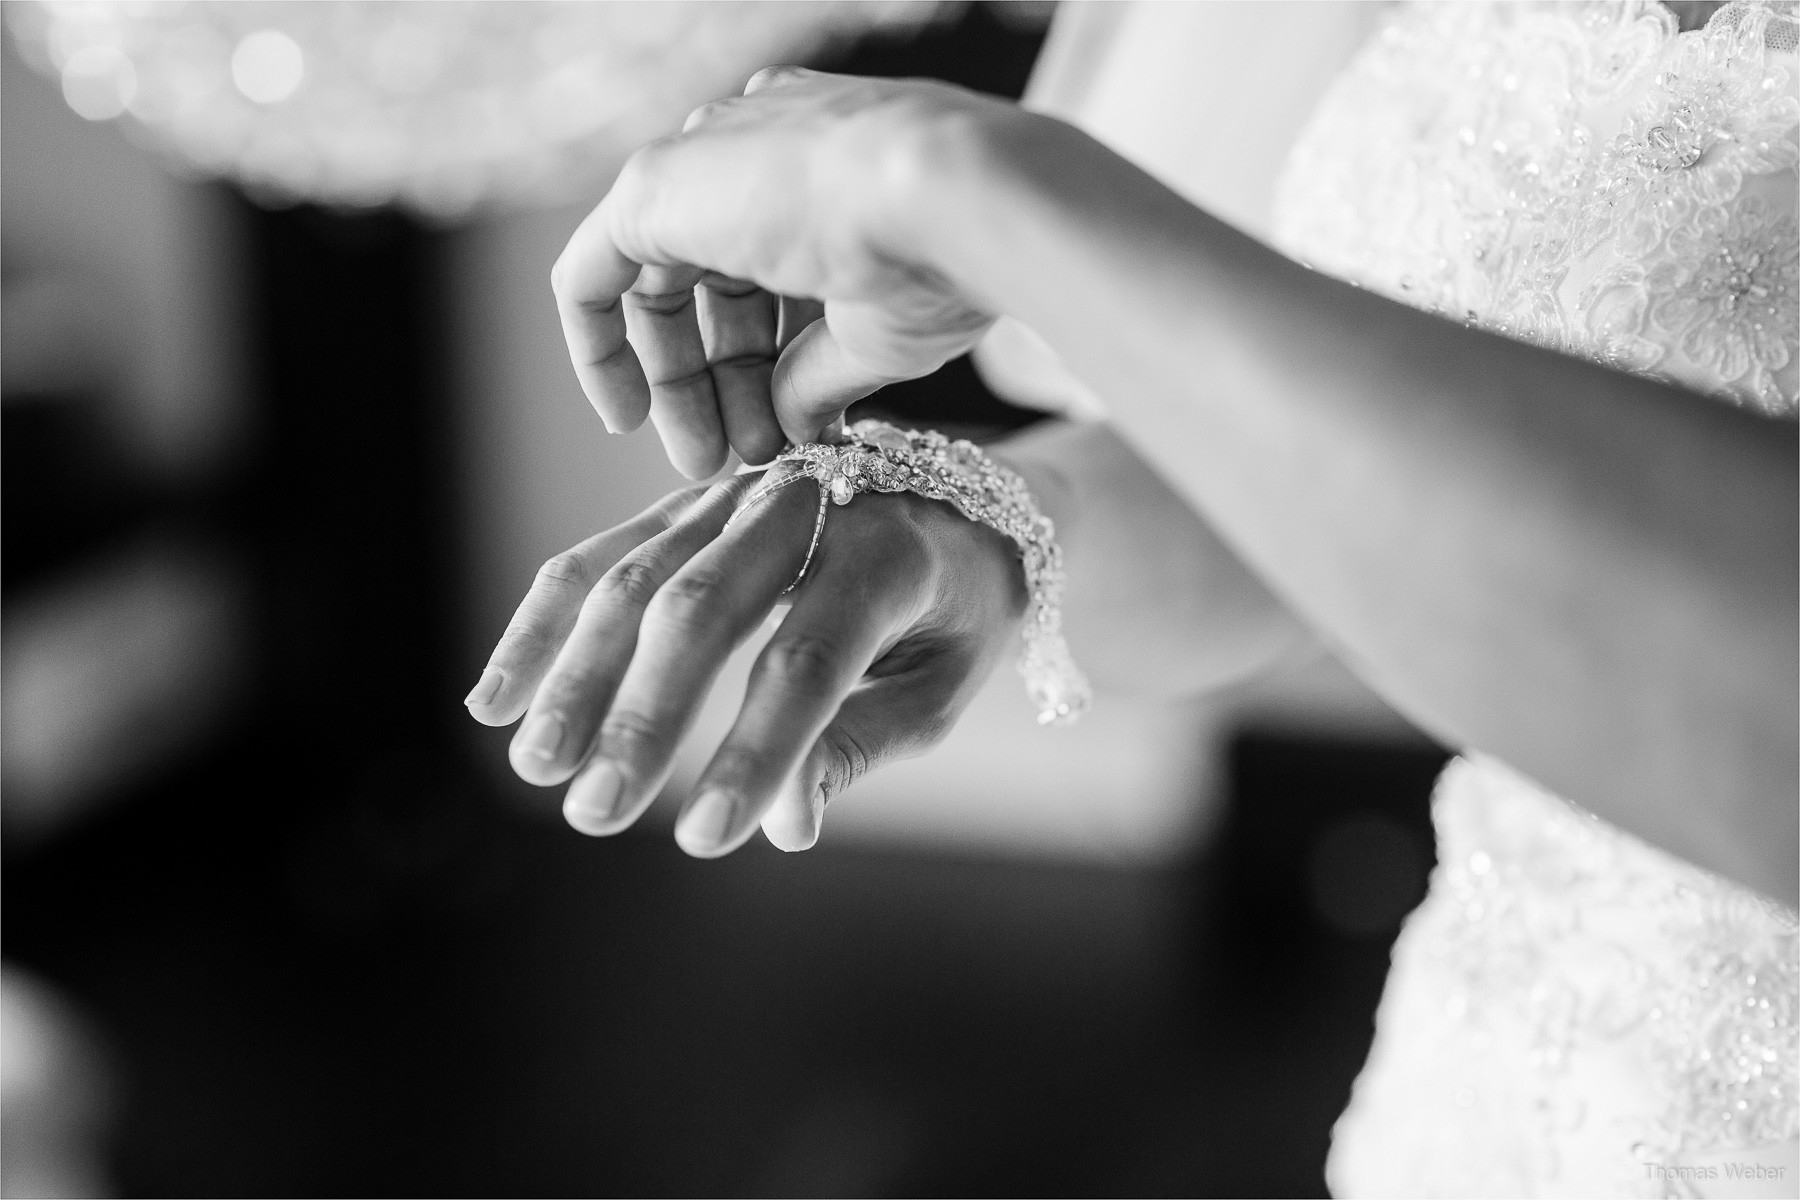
{"x": 860, "y": 347}
{"x": 815, "y": 380}
{"x": 884, "y": 719}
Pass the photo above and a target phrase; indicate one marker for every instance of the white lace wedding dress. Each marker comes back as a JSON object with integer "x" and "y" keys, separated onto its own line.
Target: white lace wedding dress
{"x": 1570, "y": 1011}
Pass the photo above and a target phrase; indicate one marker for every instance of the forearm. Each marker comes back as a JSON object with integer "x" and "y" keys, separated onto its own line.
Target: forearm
{"x": 1590, "y": 574}
{"x": 1155, "y": 603}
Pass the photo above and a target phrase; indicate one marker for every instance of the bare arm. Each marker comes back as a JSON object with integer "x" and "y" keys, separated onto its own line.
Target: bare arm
{"x": 1155, "y": 603}
{"x": 1589, "y": 574}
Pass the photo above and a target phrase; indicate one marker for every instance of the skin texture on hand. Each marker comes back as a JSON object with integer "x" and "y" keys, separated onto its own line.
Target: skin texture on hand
{"x": 903, "y": 612}
{"x": 696, "y": 349}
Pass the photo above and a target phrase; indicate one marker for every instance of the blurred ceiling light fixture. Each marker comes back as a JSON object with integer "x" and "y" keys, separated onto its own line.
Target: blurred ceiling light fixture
{"x": 267, "y": 66}
{"x": 442, "y": 107}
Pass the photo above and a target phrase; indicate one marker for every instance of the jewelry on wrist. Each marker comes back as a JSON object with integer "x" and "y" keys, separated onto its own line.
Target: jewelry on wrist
{"x": 879, "y": 457}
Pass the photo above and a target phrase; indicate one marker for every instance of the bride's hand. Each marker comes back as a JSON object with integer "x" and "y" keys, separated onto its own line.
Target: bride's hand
{"x": 902, "y": 613}
{"x": 810, "y": 188}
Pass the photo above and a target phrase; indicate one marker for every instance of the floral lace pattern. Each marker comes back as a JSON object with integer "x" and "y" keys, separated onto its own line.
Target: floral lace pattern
{"x": 1579, "y": 175}
{"x": 1571, "y": 1011}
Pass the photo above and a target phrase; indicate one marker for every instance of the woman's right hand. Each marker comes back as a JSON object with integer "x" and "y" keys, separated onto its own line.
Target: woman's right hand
{"x": 820, "y": 190}
{"x": 902, "y": 613}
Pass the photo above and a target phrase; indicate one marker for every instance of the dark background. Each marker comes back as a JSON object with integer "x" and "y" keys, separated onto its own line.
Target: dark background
{"x": 328, "y": 958}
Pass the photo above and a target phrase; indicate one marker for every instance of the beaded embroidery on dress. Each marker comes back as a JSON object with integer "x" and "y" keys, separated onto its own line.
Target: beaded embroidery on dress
{"x": 1571, "y": 1011}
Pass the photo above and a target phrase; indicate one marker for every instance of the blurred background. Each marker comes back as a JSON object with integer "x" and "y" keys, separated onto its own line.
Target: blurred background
{"x": 287, "y": 428}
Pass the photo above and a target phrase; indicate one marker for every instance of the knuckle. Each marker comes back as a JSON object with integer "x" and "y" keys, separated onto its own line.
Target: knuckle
{"x": 603, "y": 359}
{"x": 636, "y": 166}
{"x": 900, "y": 530}
{"x": 676, "y": 504}
{"x": 523, "y": 640}
{"x": 628, "y": 735}
{"x": 804, "y": 661}
{"x": 566, "y": 570}
{"x": 565, "y": 273}
{"x": 706, "y": 112}
{"x": 732, "y": 764}
{"x": 769, "y": 75}
{"x": 731, "y": 492}
{"x": 682, "y": 379}
{"x": 661, "y": 304}
{"x": 632, "y": 583}
{"x": 568, "y": 687}
{"x": 685, "y": 601}
{"x": 910, "y": 555}
{"x": 729, "y": 286}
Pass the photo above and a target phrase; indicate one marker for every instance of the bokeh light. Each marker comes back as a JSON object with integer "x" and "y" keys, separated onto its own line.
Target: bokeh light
{"x": 267, "y": 66}
{"x": 99, "y": 82}
{"x": 441, "y": 107}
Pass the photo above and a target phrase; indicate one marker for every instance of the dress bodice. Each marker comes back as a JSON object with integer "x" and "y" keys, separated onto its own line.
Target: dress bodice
{"x": 1584, "y": 176}
{"x": 1572, "y": 1011}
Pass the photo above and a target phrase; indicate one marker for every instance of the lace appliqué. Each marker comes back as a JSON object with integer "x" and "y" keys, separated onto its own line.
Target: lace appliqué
{"x": 1569, "y": 1008}
{"x": 1641, "y": 941}
{"x": 1582, "y": 176}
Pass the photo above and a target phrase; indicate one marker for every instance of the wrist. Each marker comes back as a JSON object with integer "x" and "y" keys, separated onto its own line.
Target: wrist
{"x": 958, "y": 178}
{"x": 1038, "y": 455}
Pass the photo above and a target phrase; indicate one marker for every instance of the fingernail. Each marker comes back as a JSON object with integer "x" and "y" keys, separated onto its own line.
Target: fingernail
{"x": 542, "y": 736}
{"x": 486, "y": 688}
{"x": 593, "y": 797}
{"x": 703, "y": 827}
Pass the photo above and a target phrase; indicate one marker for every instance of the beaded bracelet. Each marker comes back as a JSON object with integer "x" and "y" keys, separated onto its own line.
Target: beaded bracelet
{"x": 879, "y": 457}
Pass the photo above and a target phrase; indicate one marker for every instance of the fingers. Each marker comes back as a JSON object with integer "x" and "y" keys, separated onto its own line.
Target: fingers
{"x": 548, "y": 612}
{"x": 661, "y": 374}
{"x": 589, "y": 279}
{"x": 643, "y": 343}
{"x": 597, "y": 645}
{"x": 738, "y": 325}
{"x": 662, "y": 319}
{"x": 706, "y": 355}
{"x": 835, "y": 631}
{"x": 688, "y": 630}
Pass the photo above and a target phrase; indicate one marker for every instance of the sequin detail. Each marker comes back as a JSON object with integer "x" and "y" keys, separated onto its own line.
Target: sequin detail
{"x": 1568, "y": 1006}
{"x": 1581, "y": 176}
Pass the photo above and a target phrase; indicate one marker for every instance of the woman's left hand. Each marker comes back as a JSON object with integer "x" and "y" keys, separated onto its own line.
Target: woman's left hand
{"x": 902, "y": 613}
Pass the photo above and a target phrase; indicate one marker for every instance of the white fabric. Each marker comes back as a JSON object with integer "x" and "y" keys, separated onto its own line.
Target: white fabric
{"x": 1580, "y": 175}
{"x": 1570, "y": 1011}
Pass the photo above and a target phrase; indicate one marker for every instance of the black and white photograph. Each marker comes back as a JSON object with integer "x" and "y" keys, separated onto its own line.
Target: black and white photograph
{"x": 900, "y": 598}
